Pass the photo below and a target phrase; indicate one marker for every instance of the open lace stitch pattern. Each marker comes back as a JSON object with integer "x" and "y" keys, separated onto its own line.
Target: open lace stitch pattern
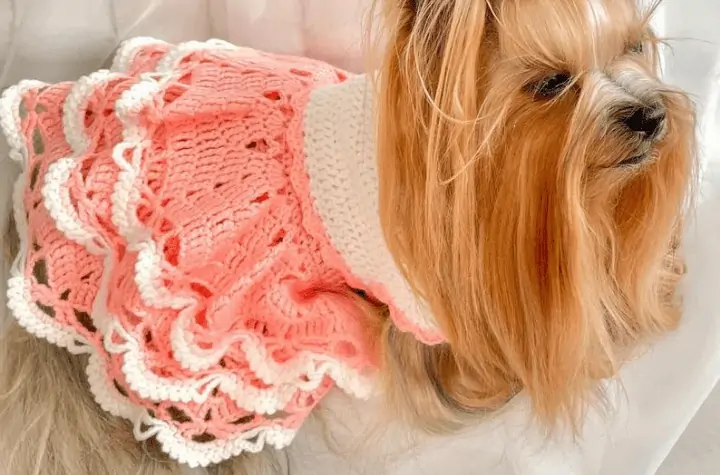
{"x": 166, "y": 232}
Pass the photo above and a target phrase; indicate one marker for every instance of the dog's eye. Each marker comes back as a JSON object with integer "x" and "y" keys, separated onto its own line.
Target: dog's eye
{"x": 551, "y": 86}
{"x": 637, "y": 48}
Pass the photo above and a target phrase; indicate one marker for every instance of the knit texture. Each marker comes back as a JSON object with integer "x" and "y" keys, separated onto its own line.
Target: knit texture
{"x": 186, "y": 223}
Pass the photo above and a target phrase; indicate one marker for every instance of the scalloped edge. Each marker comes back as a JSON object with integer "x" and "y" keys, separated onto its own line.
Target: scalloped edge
{"x": 312, "y": 365}
{"x": 129, "y": 48}
{"x": 31, "y": 319}
{"x": 77, "y": 100}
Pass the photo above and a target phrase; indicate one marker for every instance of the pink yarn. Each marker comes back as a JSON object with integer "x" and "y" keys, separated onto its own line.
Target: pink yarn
{"x": 179, "y": 242}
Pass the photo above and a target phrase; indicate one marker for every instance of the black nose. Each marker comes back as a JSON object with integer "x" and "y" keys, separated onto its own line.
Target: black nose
{"x": 648, "y": 121}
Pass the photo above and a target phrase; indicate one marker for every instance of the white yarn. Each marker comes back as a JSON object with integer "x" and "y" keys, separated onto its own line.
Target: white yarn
{"x": 74, "y": 108}
{"x": 342, "y": 165}
{"x": 56, "y": 198}
{"x": 125, "y": 56}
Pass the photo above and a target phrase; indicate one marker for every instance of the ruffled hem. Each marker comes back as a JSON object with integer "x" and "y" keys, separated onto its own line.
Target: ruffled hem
{"x": 305, "y": 372}
{"x": 121, "y": 352}
{"x": 36, "y": 322}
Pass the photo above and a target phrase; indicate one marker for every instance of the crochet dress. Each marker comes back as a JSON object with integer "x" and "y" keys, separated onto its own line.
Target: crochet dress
{"x": 194, "y": 220}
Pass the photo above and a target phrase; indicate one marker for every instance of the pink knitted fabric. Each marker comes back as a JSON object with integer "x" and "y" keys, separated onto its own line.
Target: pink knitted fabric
{"x": 169, "y": 232}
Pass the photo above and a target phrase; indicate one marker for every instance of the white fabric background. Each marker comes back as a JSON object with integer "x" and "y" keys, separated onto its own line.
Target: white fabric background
{"x": 59, "y": 39}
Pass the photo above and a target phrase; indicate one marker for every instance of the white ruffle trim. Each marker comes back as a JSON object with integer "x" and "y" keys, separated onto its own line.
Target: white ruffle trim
{"x": 128, "y": 50}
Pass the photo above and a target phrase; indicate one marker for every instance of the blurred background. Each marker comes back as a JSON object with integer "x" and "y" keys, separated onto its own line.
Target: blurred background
{"x": 693, "y": 62}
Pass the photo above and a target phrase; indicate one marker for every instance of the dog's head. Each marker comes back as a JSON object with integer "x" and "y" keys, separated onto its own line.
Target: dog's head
{"x": 534, "y": 174}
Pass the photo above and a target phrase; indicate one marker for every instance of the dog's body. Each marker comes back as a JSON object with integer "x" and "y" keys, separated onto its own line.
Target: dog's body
{"x": 533, "y": 177}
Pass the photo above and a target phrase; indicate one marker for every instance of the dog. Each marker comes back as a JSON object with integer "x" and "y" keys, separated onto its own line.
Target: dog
{"x": 531, "y": 178}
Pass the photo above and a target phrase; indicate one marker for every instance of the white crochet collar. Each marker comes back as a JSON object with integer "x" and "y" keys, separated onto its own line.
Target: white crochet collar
{"x": 341, "y": 162}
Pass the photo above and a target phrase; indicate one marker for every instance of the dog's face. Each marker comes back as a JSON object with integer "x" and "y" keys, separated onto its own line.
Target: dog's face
{"x": 534, "y": 173}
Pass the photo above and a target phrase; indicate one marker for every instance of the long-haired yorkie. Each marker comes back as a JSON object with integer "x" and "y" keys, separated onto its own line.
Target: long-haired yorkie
{"x": 207, "y": 239}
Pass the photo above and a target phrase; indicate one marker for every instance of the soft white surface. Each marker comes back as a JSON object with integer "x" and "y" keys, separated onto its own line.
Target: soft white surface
{"x": 695, "y": 65}
{"x": 60, "y": 39}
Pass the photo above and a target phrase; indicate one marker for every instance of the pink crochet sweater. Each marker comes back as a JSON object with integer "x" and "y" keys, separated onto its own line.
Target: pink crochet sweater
{"x": 193, "y": 220}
